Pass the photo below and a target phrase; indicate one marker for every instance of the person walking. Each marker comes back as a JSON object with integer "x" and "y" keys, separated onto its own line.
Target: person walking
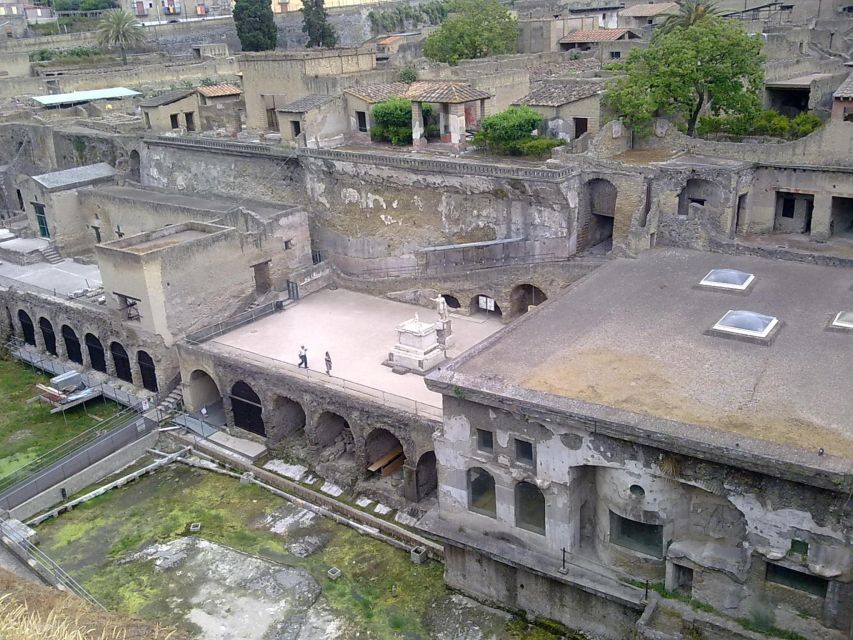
{"x": 328, "y": 364}
{"x": 303, "y": 357}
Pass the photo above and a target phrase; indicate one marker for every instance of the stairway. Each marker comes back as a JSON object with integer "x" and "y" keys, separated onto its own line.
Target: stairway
{"x": 171, "y": 401}
{"x": 51, "y": 254}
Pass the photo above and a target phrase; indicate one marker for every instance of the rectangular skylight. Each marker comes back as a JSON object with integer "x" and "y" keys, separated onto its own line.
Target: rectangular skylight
{"x": 843, "y": 320}
{"x": 746, "y": 323}
{"x": 727, "y": 279}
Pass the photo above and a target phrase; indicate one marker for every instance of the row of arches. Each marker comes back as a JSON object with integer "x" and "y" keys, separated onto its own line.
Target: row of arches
{"x": 529, "y": 500}
{"x": 94, "y": 349}
{"x": 382, "y": 452}
{"x": 521, "y": 298}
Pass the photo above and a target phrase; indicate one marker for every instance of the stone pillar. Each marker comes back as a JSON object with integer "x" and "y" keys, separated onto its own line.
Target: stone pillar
{"x": 418, "y": 139}
{"x": 410, "y": 482}
{"x": 443, "y": 123}
{"x": 457, "y": 126}
{"x": 821, "y": 217}
{"x": 482, "y": 108}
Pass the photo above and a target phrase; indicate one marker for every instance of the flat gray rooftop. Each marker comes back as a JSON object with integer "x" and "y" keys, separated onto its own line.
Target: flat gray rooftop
{"x": 358, "y": 331}
{"x": 219, "y": 204}
{"x": 77, "y": 176}
{"x": 632, "y": 336}
{"x": 63, "y": 278}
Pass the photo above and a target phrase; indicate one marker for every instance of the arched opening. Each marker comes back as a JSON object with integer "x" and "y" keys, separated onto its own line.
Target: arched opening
{"x": 72, "y": 344}
{"x": 700, "y": 193}
{"x": 289, "y": 416}
{"x": 331, "y": 427}
{"x": 525, "y": 296}
{"x": 427, "y": 475}
{"x": 203, "y": 399}
{"x": 48, "y": 335}
{"x": 147, "y": 370}
{"x": 96, "y": 352}
{"x": 133, "y": 168}
{"x": 529, "y": 507}
{"x": 451, "y": 301}
{"x": 481, "y": 492}
{"x": 383, "y": 452}
{"x": 121, "y": 362}
{"x": 247, "y": 409}
{"x": 596, "y": 213}
{"x": 27, "y": 327}
{"x": 485, "y": 305}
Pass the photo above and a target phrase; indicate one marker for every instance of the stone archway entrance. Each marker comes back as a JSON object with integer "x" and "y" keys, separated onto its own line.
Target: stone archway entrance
{"x": 288, "y": 418}
{"x": 426, "y": 475}
{"x": 246, "y": 409}
{"x": 596, "y": 213}
{"x": 383, "y": 453}
{"x": 96, "y": 353}
{"x": 525, "y": 296}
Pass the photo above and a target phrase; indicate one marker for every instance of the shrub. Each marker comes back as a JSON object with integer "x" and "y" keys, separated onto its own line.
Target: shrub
{"x": 762, "y": 123}
{"x": 503, "y": 131}
{"x": 408, "y": 75}
{"x": 431, "y": 131}
{"x": 396, "y": 112}
{"x": 539, "y": 147}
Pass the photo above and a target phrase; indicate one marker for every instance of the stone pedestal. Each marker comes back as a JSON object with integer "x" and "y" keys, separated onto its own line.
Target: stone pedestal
{"x": 444, "y": 334}
{"x": 417, "y": 347}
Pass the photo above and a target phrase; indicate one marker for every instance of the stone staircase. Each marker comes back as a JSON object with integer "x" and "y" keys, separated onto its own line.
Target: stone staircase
{"x": 170, "y": 402}
{"x": 51, "y": 254}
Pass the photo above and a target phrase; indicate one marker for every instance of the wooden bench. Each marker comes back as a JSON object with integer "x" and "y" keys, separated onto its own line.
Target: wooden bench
{"x": 389, "y": 463}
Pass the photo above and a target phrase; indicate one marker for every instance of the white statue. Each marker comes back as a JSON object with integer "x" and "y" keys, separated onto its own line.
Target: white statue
{"x": 441, "y": 307}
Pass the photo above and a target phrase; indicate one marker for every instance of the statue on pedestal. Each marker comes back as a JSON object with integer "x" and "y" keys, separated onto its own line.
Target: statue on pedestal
{"x": 441, "y": 308}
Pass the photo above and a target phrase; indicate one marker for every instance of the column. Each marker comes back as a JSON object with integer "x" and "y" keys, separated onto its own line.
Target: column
{"x": 821, "y": 217}
{"x": 457, "y": 126}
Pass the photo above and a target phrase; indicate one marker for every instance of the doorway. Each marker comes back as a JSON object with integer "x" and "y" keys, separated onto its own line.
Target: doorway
{"x": 41, "y": 220}
{"x": 263, "y": 283}
{"x": 581, "y": 126}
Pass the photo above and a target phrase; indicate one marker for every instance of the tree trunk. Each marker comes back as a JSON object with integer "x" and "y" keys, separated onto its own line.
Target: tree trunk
{"x": 694, "y": 116}
{"x": 123, "y": 54}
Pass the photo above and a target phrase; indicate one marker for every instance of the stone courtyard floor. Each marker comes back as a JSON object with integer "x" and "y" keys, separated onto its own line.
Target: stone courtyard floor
{"x": 358, "y": 331}
{"x": 257, "y": 568}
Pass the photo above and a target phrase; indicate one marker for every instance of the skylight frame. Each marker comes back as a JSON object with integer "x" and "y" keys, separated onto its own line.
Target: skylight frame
{"x": 838, "y": 323}
{"x": 705, "y": 282}
{"x": 724, "y": 328}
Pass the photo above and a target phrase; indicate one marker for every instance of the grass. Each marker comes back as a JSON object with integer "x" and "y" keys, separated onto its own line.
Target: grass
{"x": 381, "y": 593}
{"x": 774, "y": 632}
{"x": 30, "y": 430}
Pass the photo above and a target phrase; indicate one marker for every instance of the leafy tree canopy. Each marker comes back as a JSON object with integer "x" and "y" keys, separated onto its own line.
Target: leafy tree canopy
{"x": 480, "y": 28}
{"x": 255, "y": 25}
{"x": 119, "y": 28}
{"x": 315, "y": 22}
{"x": 689, "y": 13}
{"x": 711, "y": 65}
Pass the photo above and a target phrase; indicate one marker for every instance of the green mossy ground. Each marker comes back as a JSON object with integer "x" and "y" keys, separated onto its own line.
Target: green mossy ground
{"x": 30, "y": 430}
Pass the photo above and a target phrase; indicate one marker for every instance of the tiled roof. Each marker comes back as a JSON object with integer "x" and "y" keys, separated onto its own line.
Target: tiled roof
{"x": 219, "y": 90}
{"x": 166, "y": 98}
{"x": 388, "y": 40}
{"x": 447, "y": 92}
{"x": 846, "y": 88}
{"x": 379, "y": 92}
{"x": 307, "y": 103}
{"x": 555, "y": 94}
{"x": 564, "y": 68}
{"x": 594, "y": 35}
{"x": 649, "y": 9}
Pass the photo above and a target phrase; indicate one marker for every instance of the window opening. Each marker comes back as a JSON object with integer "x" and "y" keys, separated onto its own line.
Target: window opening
{"x": 637, "y": 536}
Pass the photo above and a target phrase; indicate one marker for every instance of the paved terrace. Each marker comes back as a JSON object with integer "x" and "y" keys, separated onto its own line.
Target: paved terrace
{"x": 633, "y": 336}
{"x": 63, "y": 278}
{"x": 358, "y": 331}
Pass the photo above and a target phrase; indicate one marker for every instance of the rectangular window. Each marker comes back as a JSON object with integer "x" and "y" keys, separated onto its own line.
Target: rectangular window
{"x": 683, "y": 579}
{"x": 173, "y": 120}
{"x": 41, "y": 220}
{"x": 288, "y": 244}
{"x": 524, "y": 451}
{"x": 797, "y": 580}
{"x": 190, "y": 118}
{"x": 699, "y": 201}
{"x": 788, "y": 205}
{"x": 637, "y": 536}
{"x": 485, "y": 441}
{"x": 615, "y": 55}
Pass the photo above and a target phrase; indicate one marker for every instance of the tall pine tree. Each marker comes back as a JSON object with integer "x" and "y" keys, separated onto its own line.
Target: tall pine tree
{"x": 255, "y": 25}
{"x": 315, "y": 22}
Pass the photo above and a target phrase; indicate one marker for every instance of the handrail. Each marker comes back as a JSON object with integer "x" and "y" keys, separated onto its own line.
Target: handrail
{"x": 35, "y": 555}
{"x": 212, "y": 331}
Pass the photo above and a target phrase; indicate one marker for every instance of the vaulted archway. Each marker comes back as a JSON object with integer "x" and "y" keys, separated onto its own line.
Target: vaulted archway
{"x": 147, "y": 370}
{"x": 247, "y": 409}
{"x": 72, "y": 344}
{"x": 27, "y": 327}
{"x": 96, "y": 352}
{"x": 121, "y": 362}
{"x": 48, "y": 335}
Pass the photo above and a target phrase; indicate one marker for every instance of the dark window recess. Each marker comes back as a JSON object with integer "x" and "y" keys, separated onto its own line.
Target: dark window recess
{"x": 699, "y": 201}
{"x": 800, "y": 547}
{"x": 683, "y": 580}
{"x": 481, "y": 492}
{"x": 485, "y": 441}
{"x": 20, "y": 199}
{"x": 524, "y": 451}
{"x": 288, "y": 244}
{"x": 615, "y": 55}
{"x": 97, "y": 231}
{"x": 529, "y": 508}
{"x": 190, "y": 118}
{"x": 788, "y": 205}
{"x": 173, "y": 120}
{"x": 797, "y": 580}
{"x": 295, "y": 127}
{"x": 638, "y": 536}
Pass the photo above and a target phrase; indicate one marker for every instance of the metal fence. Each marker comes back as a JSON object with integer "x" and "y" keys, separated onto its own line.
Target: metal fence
{"x": 220, "y": 328}
{"x": 72, "y": 457}
{"x": 36, "y": 558}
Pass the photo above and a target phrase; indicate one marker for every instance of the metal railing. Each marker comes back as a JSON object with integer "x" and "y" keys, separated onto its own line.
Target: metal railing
{"x": 33, "y": 556}
{"x": 385, "y": 398}
{"x": 220, "y": 328}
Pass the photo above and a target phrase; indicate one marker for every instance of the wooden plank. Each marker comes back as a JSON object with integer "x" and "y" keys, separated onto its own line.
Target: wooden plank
{"x": 393, "y": 466}
{"x": 384, "y": 460}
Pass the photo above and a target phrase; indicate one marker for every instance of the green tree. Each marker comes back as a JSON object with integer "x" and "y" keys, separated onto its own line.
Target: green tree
{"x": 255, "y": 25}
{"x": 689, "y": 13}
{"x": 119, "y": 28}
{"x": 315, "y": 22}
{"x": 712, "y": 65}
{"x": 480, "y": 28}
